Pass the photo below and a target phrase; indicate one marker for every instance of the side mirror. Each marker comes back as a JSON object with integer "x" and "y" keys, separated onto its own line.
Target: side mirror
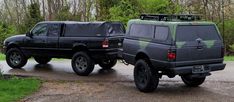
{"x": 29, "y": 34}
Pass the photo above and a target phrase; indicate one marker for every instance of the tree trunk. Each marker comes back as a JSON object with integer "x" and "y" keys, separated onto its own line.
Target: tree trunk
{"x": 8, "y": 10}
{"x": 49, "y": 10}
{"x": 17, "y": 14}
{"x": 43, "y": 8}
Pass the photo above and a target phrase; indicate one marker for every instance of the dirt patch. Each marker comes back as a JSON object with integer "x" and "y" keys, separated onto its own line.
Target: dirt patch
{"x": 168, "y": 91}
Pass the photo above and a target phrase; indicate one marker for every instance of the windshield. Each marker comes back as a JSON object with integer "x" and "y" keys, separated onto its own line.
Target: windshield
{"x": 193, "y": 32}
{"x": 116, "y": 29}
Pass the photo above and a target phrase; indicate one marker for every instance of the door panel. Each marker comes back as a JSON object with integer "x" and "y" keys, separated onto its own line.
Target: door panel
{"x": 37, "y": 42}
{"x": 54, "y": 33}
{"x": 52, "y": 45}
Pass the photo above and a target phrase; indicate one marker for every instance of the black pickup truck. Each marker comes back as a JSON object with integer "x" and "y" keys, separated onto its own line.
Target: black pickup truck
{"x": 86, "y": 43}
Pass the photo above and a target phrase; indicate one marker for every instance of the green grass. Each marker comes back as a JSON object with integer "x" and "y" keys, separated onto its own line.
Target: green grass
{"x": 2, "y": 56}
{"x": 229, "y": 58}
{"x": 15, "y": 89}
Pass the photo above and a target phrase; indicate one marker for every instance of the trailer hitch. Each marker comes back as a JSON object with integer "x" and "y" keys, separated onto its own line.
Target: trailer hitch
{"x": 124, "y": 62}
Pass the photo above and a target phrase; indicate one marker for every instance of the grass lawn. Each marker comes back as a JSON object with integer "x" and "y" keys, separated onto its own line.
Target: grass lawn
{"x": 15, "y": 89}
{"x": 229, "y": 58}
{"x": 2, "y": 56}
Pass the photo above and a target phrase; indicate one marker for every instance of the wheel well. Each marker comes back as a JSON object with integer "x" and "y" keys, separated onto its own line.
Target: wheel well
{"x": 79, "y": 48}
{"x": 12, "y": 46}
{"x": 142, "y": 55}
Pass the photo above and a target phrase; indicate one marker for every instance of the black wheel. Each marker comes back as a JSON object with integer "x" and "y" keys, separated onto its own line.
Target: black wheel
{"x": 108, "y": 63}
{"x": 146, "y": 79}
{"x": 192, "y": 82}
{"x": 42, "y": 60}
{"x": 15, "y": 58}
{"x": 82, "y": 64}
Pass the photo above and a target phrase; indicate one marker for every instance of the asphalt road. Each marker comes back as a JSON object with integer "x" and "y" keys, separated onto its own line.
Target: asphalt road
{"x": 61, "y": 84}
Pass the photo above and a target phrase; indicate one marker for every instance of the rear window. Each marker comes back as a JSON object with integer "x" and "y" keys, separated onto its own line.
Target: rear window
{"x": 193, "y": 32}
{"x": 74, "y": 30}
{"x": 94, "y": 29}
{"x": 116, "y": 29}
{"x": 142, "y": 30}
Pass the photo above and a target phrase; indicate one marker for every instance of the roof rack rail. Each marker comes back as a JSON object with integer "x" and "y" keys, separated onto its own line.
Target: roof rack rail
{"x": 164, "y": 17}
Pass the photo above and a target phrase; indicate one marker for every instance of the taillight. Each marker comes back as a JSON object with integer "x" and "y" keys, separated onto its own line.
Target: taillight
{"x": 171, "y": 56}
{"x": 105, "y": 43}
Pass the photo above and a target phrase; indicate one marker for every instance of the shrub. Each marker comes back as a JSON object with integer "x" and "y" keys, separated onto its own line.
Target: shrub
{"x": 231, "y": 47}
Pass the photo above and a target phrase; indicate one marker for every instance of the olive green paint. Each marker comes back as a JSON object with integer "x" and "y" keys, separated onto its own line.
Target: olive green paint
{"x": 180, "y": 44}
{"x": 209, "y": 43}
{"x": 138, "y": 21}
{"x": 143, "y": 42}
{"x": 173, "y": 31}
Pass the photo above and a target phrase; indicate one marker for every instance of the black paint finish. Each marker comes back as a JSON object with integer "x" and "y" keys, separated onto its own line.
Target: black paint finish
{"x": 56, "y": 44}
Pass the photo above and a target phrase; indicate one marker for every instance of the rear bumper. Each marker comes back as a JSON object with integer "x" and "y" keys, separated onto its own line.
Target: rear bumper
{"x": 112, "y": 53}
{"x": 189, "y": 69}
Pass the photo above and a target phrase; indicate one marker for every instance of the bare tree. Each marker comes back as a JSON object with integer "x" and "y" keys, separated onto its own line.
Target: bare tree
{"x": 8, "y": 10}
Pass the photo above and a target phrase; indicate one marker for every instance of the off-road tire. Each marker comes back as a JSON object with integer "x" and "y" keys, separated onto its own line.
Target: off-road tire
{"x": 146, "y": 78}
{"x": 22, "y": 59}
{"x": 82, "y": 64}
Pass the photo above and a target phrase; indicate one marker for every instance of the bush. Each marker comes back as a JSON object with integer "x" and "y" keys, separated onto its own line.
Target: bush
{"x": 124, "y": 11}
{"x": 6, "y": 30}
{"x": 231, "y": 47}
{"x": 229, "y": 34}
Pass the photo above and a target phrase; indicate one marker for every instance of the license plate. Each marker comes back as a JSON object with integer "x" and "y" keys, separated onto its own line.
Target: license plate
{"x": 200, "y": 69}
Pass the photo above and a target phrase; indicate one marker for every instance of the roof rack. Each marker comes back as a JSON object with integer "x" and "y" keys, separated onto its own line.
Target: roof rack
{"x": 164, "y": 17}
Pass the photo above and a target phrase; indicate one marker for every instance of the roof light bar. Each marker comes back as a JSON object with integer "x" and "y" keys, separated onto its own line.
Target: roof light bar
{"x": 164, "y": 17}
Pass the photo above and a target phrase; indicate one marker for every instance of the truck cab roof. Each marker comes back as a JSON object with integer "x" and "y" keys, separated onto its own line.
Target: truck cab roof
{"x": 76, "y": 22}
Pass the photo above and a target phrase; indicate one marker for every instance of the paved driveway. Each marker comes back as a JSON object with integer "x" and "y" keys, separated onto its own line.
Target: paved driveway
{"x": 62, "y": 85}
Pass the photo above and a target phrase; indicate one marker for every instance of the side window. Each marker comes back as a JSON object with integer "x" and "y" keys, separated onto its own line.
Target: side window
{"x": 142, "y": 30}
{"x": 54, "y": 30}
{"x": 85, "y": 30}
{"x": 161, "y": 33}
{"x": 40, "y": 30}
